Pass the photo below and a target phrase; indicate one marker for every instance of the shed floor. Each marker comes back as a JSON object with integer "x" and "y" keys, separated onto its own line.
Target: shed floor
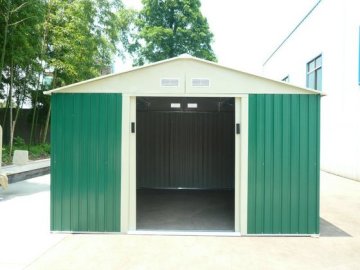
{"x": 196, "y": 210}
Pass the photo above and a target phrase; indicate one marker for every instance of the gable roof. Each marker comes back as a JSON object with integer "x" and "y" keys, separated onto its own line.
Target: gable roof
{"x": 146, "y": 79}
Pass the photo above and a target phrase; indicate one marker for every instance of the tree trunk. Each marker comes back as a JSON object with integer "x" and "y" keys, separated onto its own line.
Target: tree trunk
{"x": 32, "y": 126}
{"x": 46, "y": 125}
{"x": 4, "y": 49}
{"x": 36, "y": 125}
{"x": 20, "y": 105}
{"x": 18, "y": 113}
{"x": 5, "y": 40}
{"x": 16, "y": 118}
{"x": 6, "y": 109}
{"x": 41, "y": 74}
{"x": 34, "y": 116}
{"x": 11, "y": 124}
{"x": 49, "y": 112}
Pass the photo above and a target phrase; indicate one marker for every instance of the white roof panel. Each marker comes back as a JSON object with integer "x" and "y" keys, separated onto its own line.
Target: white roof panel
{"x": 148, "y": 79}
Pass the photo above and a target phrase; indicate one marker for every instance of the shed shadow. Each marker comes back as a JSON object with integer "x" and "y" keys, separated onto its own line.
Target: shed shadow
{"x": 328, "y": 229}
{"x": 23, "y": 188}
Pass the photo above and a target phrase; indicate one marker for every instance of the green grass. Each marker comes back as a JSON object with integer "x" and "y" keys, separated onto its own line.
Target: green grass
{"x": 38, "y": 151}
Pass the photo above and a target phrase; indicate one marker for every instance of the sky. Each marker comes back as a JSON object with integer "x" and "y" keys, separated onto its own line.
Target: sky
{"x": 245, "y": 32}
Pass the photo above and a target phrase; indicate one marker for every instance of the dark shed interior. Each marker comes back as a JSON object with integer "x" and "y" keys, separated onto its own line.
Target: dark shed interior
{"x": 185, "y": 163}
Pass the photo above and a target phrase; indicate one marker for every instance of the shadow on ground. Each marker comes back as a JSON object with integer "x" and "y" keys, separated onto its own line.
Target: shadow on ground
{"x": 22, "y": 189}
{"x": 328, "y": 229}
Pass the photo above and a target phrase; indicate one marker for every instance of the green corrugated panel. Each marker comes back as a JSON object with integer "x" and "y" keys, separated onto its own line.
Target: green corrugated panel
{"x": 86, "y": 162}
{"x": 284, "y": 146}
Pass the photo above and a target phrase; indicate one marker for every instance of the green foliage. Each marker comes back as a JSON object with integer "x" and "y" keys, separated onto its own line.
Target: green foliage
{"x": 83, "y": 37}
{"x": 38, "y": 151}
{"x": 6, "y": 158}
{"x": 23, "y": 22}
{"x": 68, "y": 40}
{"x": 76, "y": 39}
{"x": 19, "y": 142}
{"x": 168, "y": 28}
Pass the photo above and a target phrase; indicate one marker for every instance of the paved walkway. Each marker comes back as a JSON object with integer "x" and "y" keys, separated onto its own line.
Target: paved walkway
{"x": 25, "y": 223}
{"x": 35, "y": 168}
{"x": 25, "y": 241}
{"x": 31, "y": 165}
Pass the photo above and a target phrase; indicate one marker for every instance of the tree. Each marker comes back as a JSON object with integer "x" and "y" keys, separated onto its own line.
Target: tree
{"x": 68, "y": 40}
{"x": 15, "y": 16}
{"x": 19, "y": 64}
{"x": 168, "y": 28}
{"x": 81, "y": 38}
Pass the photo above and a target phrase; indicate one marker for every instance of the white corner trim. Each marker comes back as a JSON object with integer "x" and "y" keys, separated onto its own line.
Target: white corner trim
{"x": 132, "y": 167}
{"x": 237, "y": 208}
{"x": 244, "y": 164}
{"x": 124, "y": 200}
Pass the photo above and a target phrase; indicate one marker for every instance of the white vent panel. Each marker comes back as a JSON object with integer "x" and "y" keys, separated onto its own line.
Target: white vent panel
{"x": 175, "y": 105}
{"x": 198, "y": 82}
{"x": 169, "y": 82}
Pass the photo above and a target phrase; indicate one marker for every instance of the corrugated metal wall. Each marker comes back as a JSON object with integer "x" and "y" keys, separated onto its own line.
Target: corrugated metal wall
{"x": 283, "y": 164}
{"x": 86, "y": 162}
{"x": 188, "y": 149}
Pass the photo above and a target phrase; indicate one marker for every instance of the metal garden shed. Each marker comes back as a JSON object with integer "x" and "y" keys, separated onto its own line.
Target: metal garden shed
{"x": 185, "y": 146}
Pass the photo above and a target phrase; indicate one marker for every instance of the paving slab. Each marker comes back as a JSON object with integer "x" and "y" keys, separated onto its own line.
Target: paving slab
{"x": 25, "y": 223}
{"x": 337, "y": 248}
{"x": 29, "y": 170}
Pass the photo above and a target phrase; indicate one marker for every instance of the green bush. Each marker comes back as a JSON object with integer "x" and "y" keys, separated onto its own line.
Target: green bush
{"x": 39, "y": 151}
{"x": 6, "y": 159}
{"x": 19, "y": 142}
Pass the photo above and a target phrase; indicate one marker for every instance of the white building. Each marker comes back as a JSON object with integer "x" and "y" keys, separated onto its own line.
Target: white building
{"x": 323, "y": 52}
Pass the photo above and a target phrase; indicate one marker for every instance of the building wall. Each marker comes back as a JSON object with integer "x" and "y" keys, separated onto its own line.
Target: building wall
{"x": 86, "y": 162}
{"x": 283, "y": 187}
{"x": 332, "y": 30}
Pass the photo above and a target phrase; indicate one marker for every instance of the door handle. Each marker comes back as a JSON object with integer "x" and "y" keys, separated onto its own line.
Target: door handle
{"x": 237, "y": 128}
{"x": 132, "y": 127}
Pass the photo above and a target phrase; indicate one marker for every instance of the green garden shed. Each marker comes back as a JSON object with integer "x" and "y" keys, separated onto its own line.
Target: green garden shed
{"x": 185, "y": 146}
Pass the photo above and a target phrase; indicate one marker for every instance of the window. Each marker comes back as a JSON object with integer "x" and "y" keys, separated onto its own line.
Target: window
{"x": 286, "y": 79}
{"x": 314, "y": 73}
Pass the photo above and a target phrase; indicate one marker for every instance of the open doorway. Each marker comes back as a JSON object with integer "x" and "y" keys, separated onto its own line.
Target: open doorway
{"x": 185, "y": 163}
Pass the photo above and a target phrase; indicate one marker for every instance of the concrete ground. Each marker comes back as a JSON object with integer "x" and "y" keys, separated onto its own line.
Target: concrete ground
{"x": 25, "y": 241}
{"x": 25, "y": 223}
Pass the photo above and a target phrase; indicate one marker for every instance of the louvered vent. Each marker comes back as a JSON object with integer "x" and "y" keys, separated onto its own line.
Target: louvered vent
{"x": 200, "y": 82}
{"x": 169, "y": 82}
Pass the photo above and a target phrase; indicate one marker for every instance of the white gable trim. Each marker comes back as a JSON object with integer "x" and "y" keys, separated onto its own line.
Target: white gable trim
{"x": 145, "y": 79}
